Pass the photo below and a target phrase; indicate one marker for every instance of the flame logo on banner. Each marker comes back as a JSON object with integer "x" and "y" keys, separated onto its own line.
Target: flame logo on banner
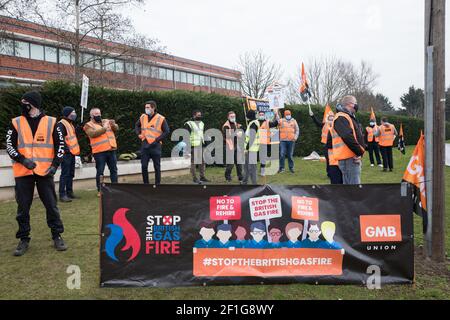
{"x": 121, "y": 228}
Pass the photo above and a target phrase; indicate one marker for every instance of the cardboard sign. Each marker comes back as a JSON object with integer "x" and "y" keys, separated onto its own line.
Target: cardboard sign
{"x": 225, "y": 208}
{"x": 266, "y": 207}
{"x": 304, "y": 208}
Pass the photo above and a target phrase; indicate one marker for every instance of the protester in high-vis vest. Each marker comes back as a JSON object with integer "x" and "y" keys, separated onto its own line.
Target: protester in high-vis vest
{"x": 231, "y": 131}
{"x": 196, "y": 129}
{"x": 36, "y": 146}
{"x": 152, "y": 128}
{"x": 101, "y": 134}
{"x": 348, "y": 141}
{"x": 386, "y": 134}
{"x": 372, "y": 143}
{"x": 268, "y": 139}
{"x": 72, "y": 149}
{"x": 332, "y": 166}
{"x": 251, "y": 148}
{"x": 289, "y": 133}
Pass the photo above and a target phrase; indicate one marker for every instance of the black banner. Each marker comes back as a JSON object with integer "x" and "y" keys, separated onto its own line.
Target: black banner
{"x": 186, "y": 235}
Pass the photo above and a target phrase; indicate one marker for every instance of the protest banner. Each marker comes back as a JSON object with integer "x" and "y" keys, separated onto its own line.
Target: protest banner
{"x": 163, "y": 236}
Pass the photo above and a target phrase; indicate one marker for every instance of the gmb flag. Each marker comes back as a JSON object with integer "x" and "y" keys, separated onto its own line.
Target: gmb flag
{"x": 304, "y": 86}
{"x": 415, "y": 174}
{"x": 401, "y": 140}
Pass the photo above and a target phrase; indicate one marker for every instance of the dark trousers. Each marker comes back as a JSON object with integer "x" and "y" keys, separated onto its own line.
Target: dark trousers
{"x": 386, "y": 154}
{"x": 101, "y": 160}
{"x": 24, "y": 196}
{"x": 229, "y": 166}
{"x": 197, "y": 160}
{"x": 327, "y": 160}
{"x": 335, "y": 175}
{"x": 152, "y": 152}
{"x": 373, "y": 149}
{"x": 67, "y": 174}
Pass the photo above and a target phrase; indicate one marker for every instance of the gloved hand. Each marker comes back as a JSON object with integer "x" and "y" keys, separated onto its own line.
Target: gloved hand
{"x": 29, "y": 164}
{"x": 50, "y": 172}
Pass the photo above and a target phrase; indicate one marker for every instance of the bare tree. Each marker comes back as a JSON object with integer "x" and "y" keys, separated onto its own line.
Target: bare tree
{"x": 330, "y": 78}
{"x": 258, "y": 73}
{"x": 100, "y": 19}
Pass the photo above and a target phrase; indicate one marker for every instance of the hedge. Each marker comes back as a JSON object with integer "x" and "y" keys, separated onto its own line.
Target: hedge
{"x": 177, "y": 106}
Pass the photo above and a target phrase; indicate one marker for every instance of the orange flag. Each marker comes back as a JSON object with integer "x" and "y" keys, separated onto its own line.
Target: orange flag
{"x": 401, "y": 130}
{"x": 415, "y": 172}
{"x": 327, "y": 113}
{"x": 372, "y": 115}
{"x": 304, "y": 86}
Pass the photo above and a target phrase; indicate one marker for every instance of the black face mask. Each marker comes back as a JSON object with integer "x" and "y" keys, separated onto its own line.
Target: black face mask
{"x": 26, "y": 107}
{"x": 198, "y": 118}
{"x": 356, "y": 108}
{"x": 98, "y": 119}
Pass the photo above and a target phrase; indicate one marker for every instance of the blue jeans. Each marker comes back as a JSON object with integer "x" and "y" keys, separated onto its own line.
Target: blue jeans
{"x": 106, "y": 158}
{"x": 351, "y": 171}
{"x": 67, "y": 174}
{"x": 287, "y": 149}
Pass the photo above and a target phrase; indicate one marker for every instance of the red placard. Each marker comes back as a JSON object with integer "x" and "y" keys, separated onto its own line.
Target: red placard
{"x": 304, "y": 208}
{"x": 225, "y": 208}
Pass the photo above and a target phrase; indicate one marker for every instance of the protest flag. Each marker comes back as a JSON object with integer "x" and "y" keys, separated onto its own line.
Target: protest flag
{"x": 327, "y": 113}
{"x": 401, "y": 140}
{"x": 304, "y": 86}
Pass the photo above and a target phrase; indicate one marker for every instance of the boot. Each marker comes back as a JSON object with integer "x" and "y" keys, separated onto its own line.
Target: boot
{"x": 64, "y": 199}
{"x": 59, "y": 244}
{"x": 22, "y": 247}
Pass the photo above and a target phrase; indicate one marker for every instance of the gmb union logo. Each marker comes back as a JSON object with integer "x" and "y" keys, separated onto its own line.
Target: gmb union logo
{"x": 122, "y": 228}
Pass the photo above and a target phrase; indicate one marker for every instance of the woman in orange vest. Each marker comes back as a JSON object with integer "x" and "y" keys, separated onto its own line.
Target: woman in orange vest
{"x": 386, "y": 134}
{"x": 231, "y": 131}
{"x": 152, "y": 129}
{"x": 101, "y": 134}
{"x": 372, "y": 143}
{"x": 36, "y": 146}
{"x": 72, "y": 149}
{"x": 289, "y": 133}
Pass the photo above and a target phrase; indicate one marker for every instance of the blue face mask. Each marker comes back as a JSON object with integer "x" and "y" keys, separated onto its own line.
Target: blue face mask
{"x": 288, "y": 117}
{"x": 73, "y": 116}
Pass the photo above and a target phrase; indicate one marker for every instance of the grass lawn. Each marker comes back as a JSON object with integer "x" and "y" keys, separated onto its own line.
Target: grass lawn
{"x": 41, "y": 272}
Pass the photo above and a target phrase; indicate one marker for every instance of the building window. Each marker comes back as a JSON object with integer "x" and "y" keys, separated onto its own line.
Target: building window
{"x": 169, "y": 74}
{"x": 7, "y": 47}
{"x": 119, "y": 66}
{"x": 183, "y": 77}
{"x": 196, "y": 79}
{"x": 87, "y": 60}
{"x": 22, "y": 49}
{"x": 51, "y": 54}
{"x": 155, "y": 72}
{"x": 162, "y": 74}
{"x": 36, "y": 51}
{"x": 189, "y": 78}
{"x": 177, "y": 76}
{"x": 64, "y": 56}
{"x": 146, "y": 70}
{"x": 109, "y": 64}
{"x": 129, "y": 67}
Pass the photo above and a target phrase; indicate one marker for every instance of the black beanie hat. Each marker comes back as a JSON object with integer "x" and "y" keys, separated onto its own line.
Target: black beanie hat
{"x": 67, "y": 110}
{"x": 34, "y": 98}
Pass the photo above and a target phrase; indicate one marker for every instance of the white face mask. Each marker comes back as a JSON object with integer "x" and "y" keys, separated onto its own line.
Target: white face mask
{"x": 232, "y": 119}
{"x": 149, "y": 111}
{"x": 288, "y": 117}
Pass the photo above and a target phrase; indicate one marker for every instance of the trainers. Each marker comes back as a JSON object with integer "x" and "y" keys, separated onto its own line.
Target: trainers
{"x": 64, "y": 199}
{"x": 22, "y": 247}
{"x": 292, "y": 170}
{"x": 59, "y": 244}
{"x": 384, "y": 170}
{"x": 196, "y": 181}
{"x": 380, "y": 165}
{"x": 203, "y": 179}
{"x": 281, "y": 171}
{"x": 72, "y": 196}
{"x": 372, "y": 165}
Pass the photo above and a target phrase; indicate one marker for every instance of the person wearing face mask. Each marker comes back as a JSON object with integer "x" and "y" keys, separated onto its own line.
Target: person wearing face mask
{"x": 102, "y": 138}
{"x": 231, "y": 131}
{"x": 289, "y": 133}
{"x": 152, "y": 129}
{"x": 372, "y": 143}
{"x": 348, "y": 140}
{"x": 36, "y": 145}
{"x": 72, "y": 149}
{"x": 386, "y": 133}
{"x": 196, "y": 129}
{"x": 267, "y": 138}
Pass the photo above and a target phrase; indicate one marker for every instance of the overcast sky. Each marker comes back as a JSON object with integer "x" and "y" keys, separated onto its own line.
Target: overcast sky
{"x": 388, "y": 34}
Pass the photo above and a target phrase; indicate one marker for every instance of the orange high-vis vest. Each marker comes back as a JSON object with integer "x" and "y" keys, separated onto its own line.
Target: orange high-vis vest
{"x": 331, "y": 158}
{"x": 39, "y": 148}
{"x": 287, "y": 129}
{"x": 229, "y": 135}
{"x": 387, "y": 135}
{"x": 152, "y": 129}
{"x": 340, "y": 149}
{"x": 325, "y": 129}
{"x": 71, "y": 138}
{"x": 104, "y": 142}
{"x": 370, "y": 134}
{"x": 264, "y": 133}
